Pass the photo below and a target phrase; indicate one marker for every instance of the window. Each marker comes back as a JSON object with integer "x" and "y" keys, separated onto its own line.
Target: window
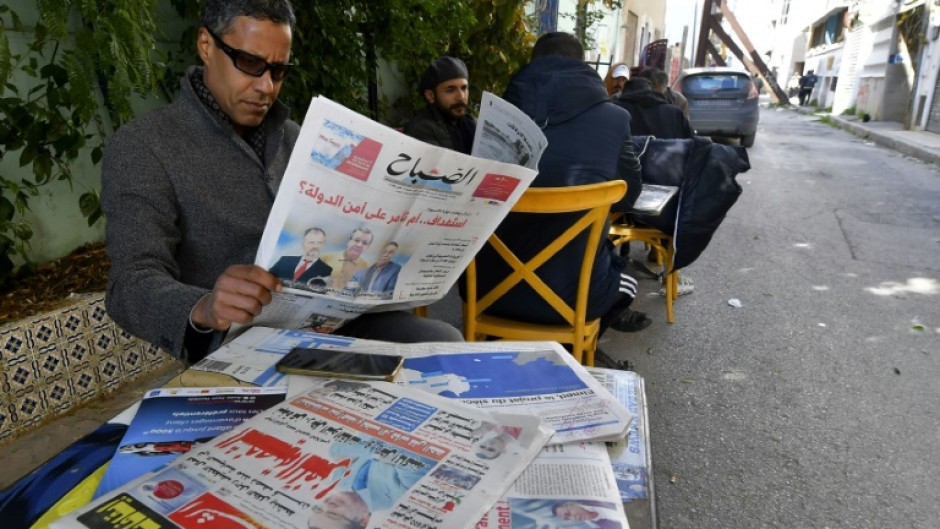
{"x": 829, "y": 31}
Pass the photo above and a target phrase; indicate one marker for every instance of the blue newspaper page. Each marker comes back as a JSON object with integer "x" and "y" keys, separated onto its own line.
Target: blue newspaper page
{"x": 172, "y": 421}
{"x": 540, "y": 378}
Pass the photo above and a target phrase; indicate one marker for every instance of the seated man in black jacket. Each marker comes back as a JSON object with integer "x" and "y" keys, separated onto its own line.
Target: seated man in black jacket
{"x": 589, "y": 141}
{"x": 651, "y": 114}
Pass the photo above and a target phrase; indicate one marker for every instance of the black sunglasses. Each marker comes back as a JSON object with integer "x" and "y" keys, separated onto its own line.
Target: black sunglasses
{"x": 252, "y": 64}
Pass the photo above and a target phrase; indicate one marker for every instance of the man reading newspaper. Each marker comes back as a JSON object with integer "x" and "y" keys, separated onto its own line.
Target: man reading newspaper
{"x": 188, "y": 188}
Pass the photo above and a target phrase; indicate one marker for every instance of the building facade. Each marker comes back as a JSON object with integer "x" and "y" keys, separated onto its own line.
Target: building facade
{"x": 874, "y": 58}
{"x": 614, "y": 35}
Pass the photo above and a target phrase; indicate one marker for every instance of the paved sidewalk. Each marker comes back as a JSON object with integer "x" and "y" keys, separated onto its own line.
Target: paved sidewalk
{"x": 922, "y": 145}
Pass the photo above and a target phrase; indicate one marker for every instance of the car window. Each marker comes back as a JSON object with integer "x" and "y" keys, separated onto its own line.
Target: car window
{"x": 715, "y": 84}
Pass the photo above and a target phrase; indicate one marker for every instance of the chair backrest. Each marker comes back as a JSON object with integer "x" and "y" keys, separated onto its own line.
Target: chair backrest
{"x": 594, "y": 201}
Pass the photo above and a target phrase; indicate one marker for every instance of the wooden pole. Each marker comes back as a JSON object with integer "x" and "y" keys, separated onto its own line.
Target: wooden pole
{"x": 762, "y": 70}
{"x": 703, "y": 31}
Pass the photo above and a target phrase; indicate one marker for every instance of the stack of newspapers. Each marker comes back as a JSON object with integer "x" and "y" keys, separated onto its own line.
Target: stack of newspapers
{"x": 492, "y": 434}
{"x": 467, "y": 435}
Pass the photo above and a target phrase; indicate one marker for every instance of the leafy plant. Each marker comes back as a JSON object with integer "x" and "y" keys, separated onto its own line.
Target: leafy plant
{"x": 81, "y": 64}
{"x": 491, "y": 36}
{"x": 588, "y": 13}
{"x": 406, "y": 33}
{"x": 500, "y": 42}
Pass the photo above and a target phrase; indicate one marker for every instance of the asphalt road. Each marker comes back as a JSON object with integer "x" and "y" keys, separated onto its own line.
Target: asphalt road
{"x": 816, "y": 404}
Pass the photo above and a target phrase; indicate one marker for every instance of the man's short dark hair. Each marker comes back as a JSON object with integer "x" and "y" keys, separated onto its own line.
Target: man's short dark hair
{"x": 659, "y": 79}
{"x": 558, "y": 43}
{"x": 218, "y": 15}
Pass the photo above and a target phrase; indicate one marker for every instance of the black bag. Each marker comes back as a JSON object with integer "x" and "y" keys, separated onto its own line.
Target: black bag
{"x": 705, "y": 174}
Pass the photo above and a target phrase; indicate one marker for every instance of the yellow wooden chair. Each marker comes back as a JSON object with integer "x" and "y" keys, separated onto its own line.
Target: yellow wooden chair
{"x": 594, "y": 201}
{"x": 622, "y": 232}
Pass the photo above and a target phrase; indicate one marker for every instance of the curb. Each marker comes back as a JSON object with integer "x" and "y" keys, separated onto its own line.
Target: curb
{"x": 880, "y": 138}
{"x": 914, "y": 151}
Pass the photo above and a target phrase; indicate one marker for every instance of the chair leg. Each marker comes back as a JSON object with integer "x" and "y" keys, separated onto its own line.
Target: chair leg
{"x": 577, "y": 349}
{"x": 671, "y": 283}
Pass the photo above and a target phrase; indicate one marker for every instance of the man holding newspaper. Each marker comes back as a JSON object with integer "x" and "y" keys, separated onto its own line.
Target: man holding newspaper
{"x": 187, "y": 191}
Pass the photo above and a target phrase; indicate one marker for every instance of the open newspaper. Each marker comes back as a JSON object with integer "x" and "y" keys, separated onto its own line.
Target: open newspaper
{"x": 368, "y": 219}
{"x": 371, "y": 453}
{"x": 540, "y": 378}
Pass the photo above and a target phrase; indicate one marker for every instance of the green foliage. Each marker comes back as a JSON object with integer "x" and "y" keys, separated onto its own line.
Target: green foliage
{"x": 587, "y": 14}
{"x": 333, "y": 43}
{"x": 500, "y": 43}
{"x": 79, "y": 56}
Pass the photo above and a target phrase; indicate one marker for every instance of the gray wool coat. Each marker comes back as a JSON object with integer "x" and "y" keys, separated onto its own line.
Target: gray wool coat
{"x": 184, "y": 197}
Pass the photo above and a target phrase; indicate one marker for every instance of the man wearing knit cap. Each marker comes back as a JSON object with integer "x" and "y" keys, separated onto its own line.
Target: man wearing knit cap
{"x": 445, "y": 121}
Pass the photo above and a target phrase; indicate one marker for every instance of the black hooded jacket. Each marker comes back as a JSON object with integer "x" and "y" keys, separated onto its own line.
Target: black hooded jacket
{"x": 589, "y": 141}
{"x": 651, "y": 113}
{"x": 705, "y": 174}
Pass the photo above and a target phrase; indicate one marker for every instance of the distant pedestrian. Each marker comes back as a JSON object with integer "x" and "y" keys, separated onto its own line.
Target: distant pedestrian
{"x": 807, "y": 83}
{"x": 793, "y": 85}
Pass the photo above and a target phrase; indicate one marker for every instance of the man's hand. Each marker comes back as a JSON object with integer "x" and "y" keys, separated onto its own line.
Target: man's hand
{"x": 237, "y": 297}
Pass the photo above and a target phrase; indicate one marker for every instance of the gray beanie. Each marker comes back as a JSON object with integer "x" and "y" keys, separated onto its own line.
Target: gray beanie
{"x": 443, "y": 69}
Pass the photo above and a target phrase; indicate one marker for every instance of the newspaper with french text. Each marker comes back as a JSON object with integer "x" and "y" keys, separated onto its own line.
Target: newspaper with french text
{"x": 567, "y": 486}
{"x": 631, "y": 458}
{"x": 368, "y": 219}
{"x": 171, "y": 421}
{"x": 539, "y": 378}
{"x": 342, "y": 453}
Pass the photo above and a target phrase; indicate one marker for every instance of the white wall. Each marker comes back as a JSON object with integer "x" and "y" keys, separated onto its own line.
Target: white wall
{"x": 924, "y": 95}
{"x": 608, "y": 33}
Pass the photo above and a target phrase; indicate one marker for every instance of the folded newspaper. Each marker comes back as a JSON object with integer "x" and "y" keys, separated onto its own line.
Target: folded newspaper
{"x": 539, "y": 378}
{"x": 653, "y": 198}
{"x": 567, "y": 486}
{"x": 368, "y": 219}
{"x": 170, "y": 422}
{"x": 358, "y": 454}
{"x": 631, "y": 459}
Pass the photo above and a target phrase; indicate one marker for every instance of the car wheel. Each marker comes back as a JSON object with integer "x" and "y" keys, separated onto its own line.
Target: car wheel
{"x": 748, "y": 140}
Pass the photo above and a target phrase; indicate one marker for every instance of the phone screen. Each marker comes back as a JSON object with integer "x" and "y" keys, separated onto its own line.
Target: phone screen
{"x": 340, "y": 363}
